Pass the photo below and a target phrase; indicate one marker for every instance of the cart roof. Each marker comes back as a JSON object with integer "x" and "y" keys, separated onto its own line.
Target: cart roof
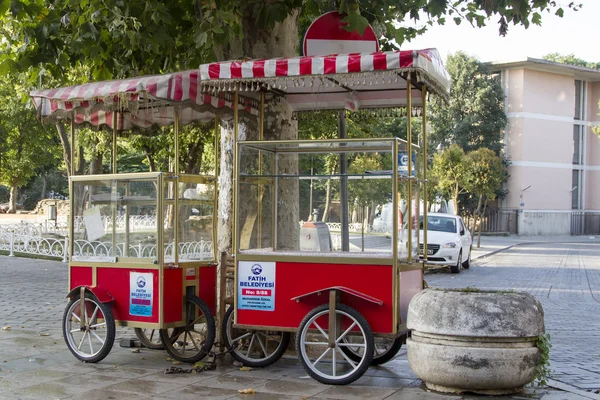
{"x": 141, "y": 101}
{"x": 337, "y": 81}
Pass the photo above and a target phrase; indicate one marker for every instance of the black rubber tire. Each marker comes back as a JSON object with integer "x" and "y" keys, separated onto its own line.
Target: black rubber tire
{"x": 170, "y": 336}
{"x": 379, "y": 359}
{"x": 263, "y": 362}
{"x": 455, "y": 269}
{"x": 367, "y": 358}
{"x": 106, "y": 347}
{"x": 467, "y": 263}
{"x": 148, "y": 342}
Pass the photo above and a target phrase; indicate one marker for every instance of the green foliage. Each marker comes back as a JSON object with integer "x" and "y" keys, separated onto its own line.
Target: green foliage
{"x": 475, "y": 116}
{"x": 450, "y": 169}
{"x": 543, "y": 371}
{"x": 485, "y": 173}
{"x": 570, "y": 59}
{"x": 125, "y": 38}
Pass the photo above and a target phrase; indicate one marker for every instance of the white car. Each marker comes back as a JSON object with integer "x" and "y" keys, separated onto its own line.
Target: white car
{"x": 449, "y": 242}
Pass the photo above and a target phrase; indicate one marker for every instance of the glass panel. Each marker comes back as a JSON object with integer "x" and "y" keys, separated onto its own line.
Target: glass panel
{"x": 576, "y": 144}
{"x": 114, "y": 218}
{"x": 578, "y": 99}
{"x": 291, "y": 197}
{"x": 169, "y": 220}
{"x": 196, "y": 210}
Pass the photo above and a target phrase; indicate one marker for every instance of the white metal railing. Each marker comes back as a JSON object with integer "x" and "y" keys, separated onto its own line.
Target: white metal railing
{"x": 356, "y": 227}
{"x": 200, "y": 250}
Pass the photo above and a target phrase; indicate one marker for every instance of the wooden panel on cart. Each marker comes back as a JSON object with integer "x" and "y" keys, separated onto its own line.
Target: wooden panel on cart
{"x": 293, "y": 279}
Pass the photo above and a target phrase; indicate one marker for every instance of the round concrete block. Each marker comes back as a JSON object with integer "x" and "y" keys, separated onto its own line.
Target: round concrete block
{"x": 482, "y": 342}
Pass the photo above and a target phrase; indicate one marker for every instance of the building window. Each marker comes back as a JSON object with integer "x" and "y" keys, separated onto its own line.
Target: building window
{"x": 577, "y": 144}
{"x": 576, "y": 190}
{"x": 579, "y": 99}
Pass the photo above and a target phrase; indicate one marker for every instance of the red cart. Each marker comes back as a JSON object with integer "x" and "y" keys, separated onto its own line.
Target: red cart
{"x": 343, "y": 287}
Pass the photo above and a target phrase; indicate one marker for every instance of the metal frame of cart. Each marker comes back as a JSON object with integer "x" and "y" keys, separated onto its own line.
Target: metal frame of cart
{"x": 316, "y": 294}
{"x": 159, "y": 275}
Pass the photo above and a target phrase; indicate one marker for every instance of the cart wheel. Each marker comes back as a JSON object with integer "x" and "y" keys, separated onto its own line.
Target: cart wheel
{"x": 150, "y": 338}
{"x": 331, "y": 365}
{"x": 254, "y": 348}
{"x": 385, "y": 349}
{"x": 93, "y": 340}
{"x": 192, "y": 342}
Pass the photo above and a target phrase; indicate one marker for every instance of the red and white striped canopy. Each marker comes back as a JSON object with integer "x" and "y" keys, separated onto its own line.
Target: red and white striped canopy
{"x": 336, "y": 81}
{"x": 140, "y": 102}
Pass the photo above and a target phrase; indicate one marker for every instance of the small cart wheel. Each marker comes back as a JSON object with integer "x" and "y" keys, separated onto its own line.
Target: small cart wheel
{"x": 150, "y": 338}
{"x": 254, "y": 348}
{"x": 90, "y": 336}
{"x": 329, "y": 364}
{"x": 385, "y": 349}
{"x": 192, "y": 342}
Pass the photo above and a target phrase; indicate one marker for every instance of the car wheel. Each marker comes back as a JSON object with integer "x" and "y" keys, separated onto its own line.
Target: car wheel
{"x": 455, "y": 269}
{"x": 467, "y": 262}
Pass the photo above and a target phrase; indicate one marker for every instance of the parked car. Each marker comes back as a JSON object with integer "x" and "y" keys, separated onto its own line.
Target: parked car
{"x": 449, "y": 242}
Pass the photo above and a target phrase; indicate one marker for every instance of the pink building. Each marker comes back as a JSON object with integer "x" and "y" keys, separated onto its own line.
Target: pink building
{"x": 555, "y": 172}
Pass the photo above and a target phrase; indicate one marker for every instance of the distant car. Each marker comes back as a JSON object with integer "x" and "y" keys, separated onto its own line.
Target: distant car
{"x": 448, "y": 241}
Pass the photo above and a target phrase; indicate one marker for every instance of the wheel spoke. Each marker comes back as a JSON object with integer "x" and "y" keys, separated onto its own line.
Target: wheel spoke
{"x": 76, "y": 316}
{"x": 241, "y": 337}
{"x": 90, "y": 342}
{"x": 354, "y": 366}
{"x": 185, "y": 333}
{"x": 351, "y": 345}
{"x": 81, "y": 341}
{"x": 333, "y": 362}
{"x": 321, "y": 357}
{"x": 262, "y": 346}
{"x": 320, "y": 329}
{"x": 97, "y": 337}
{"x": 199, "y": 320}
{"x": 94, "y": 315}
{"x": 194, "y": 342}
{"x": 346, "y": 332}
{"x": 103, "y": 324}
{"x": 250, "y": 346}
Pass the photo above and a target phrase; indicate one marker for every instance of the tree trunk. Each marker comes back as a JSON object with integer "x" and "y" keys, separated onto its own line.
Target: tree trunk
{"x": 479, "y": 232}
{"x": 12, "y": 202}
{"x": 327, "y": 200}
{"x": 66, "y": 145}
{"x": 44, "y": 186}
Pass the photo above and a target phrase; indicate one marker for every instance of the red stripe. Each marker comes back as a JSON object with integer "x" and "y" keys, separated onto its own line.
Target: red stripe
{"x": 236, "y": 69}
{"x": 379, "y": 62}
{"x": 306, "y": 66}
{"x": 329, "y": 65}
{"x": 152, "y": 86}
{"x": 220, "y": 103}
{"x": 68, "y": 105}
{"x": 214, "y": 70}
{"x": 258, "y": 69}
{"x": 354, "y": 63}
{"x": 281, "y": 67}
{"x": 406, "y": 59}
{"x": 79, "y": 118}
{"x": 178, "y": 94}
{"x": 67, "y": 92}
{"x": 53, "y": 105}
{"x": 94, "y": 118}
{"x": 193, "y": 86}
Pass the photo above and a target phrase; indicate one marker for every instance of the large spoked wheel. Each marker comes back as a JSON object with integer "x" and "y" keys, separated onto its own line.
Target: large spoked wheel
{"x": 455, "y": 269}
{"x": 330, "y": 364}
{"x": 384, "y": 349}
{"x": 150, "y": 338}
{"x": 192, "y": 342}
{"x": 89, "y": 331}
{"x": 254, "y": 348}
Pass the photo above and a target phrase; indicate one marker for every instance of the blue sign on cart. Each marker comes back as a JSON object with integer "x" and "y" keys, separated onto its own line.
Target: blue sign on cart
{"x": 141, "y": 294}
{"x": 256, "y": 286}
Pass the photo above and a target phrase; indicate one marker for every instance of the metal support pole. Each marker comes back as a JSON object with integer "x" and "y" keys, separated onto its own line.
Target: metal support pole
{"x": 235, "y": 168}
{"x": 261, "y": 134}
{"x": 72, "y": 146}
{"x": 342, "y": 134}
{"x": 409, "y": 196}
{"x": 176, "y": 190}
{"x": 114, "y": 141}
{"x": 425, "y": 193}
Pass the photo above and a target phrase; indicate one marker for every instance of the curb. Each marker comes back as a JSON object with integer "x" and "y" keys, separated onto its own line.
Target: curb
{"x": 491, "y": 253}
{"x": 572, "y": 389}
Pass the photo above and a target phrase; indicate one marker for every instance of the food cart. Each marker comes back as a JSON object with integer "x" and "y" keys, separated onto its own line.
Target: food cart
{"x": 346, "y": 296}
{"x": 141, "y": 245}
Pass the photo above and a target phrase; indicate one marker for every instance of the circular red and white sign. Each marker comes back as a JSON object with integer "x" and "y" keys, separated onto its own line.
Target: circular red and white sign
{"x": 326, "y": 36}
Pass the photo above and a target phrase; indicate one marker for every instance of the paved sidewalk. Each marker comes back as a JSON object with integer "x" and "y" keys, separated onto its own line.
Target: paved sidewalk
{"x": 36, "y": 364}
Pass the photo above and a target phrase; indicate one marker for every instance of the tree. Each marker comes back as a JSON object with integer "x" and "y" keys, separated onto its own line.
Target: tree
{"x": 570, "y": 59}
{"x": 450, "y": 169}
{"x": 118, "y": 38}
{"x": 27, "y": 147}
{"x": 485, "y": 175}
{"x": 475, "y": 116}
